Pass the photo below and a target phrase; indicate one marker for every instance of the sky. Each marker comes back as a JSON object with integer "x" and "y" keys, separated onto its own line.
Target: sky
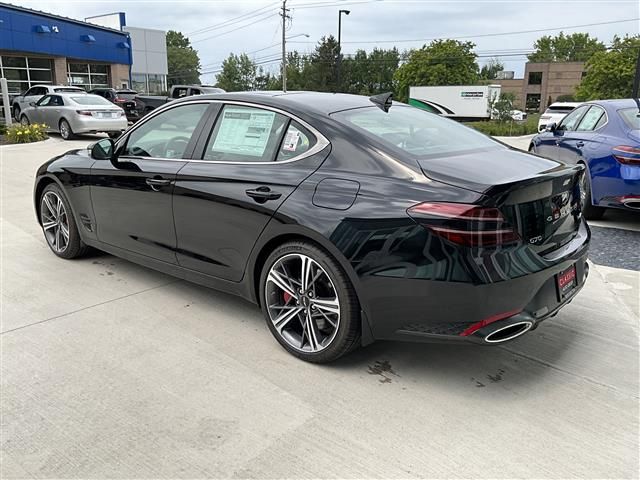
{"x": 216, "y": 31}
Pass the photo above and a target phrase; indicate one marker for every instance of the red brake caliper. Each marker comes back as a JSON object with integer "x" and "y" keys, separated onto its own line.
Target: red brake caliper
{"x": 287, "y": 297}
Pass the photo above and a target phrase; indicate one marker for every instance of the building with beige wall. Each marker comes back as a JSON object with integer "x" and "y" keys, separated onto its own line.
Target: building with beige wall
{"x": 543, "y": 83}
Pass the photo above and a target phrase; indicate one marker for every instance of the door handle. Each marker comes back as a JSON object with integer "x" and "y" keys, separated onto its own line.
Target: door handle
{"x": 262, "y": 194}
{"x": 580, "y": 144}
{"x": 156, "y": 183}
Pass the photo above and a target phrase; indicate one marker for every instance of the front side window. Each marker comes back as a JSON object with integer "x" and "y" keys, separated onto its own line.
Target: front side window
{"x": 44, "y": 101}
{"x": 593, "y": 119}
{"x": 246, "y": 134}
{"x": 415, "y": 131}
{"x": 570, "y": 122}
{"x": 167, "y": 134}
{"x": 56, "y": 101}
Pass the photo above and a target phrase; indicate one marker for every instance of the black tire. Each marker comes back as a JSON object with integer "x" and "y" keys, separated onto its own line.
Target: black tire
{"x": 16, "y": 113}
{"x": 75, "y": 247}
{"x": 590, "y": 211}
{"x": 65, "y": 130}
{"x": 24, "y": 120}
{"x": 347, "y": 335}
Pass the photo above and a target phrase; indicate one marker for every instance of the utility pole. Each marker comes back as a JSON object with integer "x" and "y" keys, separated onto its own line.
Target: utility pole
{"x": 285, "y": 17}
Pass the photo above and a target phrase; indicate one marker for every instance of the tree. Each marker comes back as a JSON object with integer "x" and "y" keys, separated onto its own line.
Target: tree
{"x": 610, "y": 74}
{"x": 238, "y": 74}
{"x": 501, "y": 108}
{"x": 577, "y": 47}
{"x": 321, "y": 72}
{"x": 369, "y": 74}
{"x": 442, "y": 62}
{"x": 182, "y": 60}
{"x": 490, "y": 70}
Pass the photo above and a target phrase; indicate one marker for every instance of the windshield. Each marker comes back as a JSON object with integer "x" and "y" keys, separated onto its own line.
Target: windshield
{"x": 630, "y": 117}
{"x": 91, "y": 99}
{"x": 69, "y": 89}
{"x": 416, "y": 131}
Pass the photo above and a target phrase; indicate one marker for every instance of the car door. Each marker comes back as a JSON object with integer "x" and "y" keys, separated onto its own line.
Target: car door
{"x": 51, "y": 112}
{"x": 250, "y": 159}
{"x": 575, "y": 142}
{"x": 36, "y": 113}
{"x": 32, "y": 95}
{"x": 553, "y": 143}
{"x": 132, "y": 197}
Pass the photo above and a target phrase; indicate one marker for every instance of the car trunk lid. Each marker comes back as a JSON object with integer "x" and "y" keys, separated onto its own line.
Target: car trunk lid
{"x": 540, "y": 198}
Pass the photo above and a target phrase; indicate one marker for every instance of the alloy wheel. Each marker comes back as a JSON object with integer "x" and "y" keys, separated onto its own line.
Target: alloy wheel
{"x": 64, "y": 130}
{"x": 24, "y": 121}
{"x": 55, "y": 222}
{"x": 302, "y": 302}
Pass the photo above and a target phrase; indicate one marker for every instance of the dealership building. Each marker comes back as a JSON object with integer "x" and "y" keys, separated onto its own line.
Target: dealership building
{"x": 43, "y": 48}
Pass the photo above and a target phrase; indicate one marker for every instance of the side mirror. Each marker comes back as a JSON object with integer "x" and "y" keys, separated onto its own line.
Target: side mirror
{"x": 551, "y": 127}
{"x": 32, "y": 104}
{"x": 103, "y": 150}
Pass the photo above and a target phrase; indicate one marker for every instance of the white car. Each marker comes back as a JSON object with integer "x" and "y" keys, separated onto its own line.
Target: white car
{"x": 36, "y": 92}
{"x": 554, "y": 113}
{"x": 76, "y": 113}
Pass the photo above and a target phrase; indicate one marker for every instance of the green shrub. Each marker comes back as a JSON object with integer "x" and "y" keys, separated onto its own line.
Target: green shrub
{"x": 3, "y": 129}
{"x": 507, "y": 129}
{"x": 35, "y": 132}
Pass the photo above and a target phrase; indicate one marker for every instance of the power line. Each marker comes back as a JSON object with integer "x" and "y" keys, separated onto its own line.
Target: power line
{"x": 234, "y": 20}
{"x": 237, "y": 28}
{"x": 484, "y": 35}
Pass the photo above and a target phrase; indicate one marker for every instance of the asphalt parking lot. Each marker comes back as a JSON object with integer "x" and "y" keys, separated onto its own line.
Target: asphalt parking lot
{"x": 109, "y": 369}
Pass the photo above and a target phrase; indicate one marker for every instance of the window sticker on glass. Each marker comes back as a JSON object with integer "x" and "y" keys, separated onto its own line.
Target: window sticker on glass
{"x": 244, "y": 131}
{"x": 290, "y": 143}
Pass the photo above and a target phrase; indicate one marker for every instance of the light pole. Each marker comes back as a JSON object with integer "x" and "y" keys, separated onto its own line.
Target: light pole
{"x": 340, "y": 12}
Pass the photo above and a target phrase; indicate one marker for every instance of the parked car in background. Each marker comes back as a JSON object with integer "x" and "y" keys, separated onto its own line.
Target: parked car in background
{"x": 76, "y": 113}
{"x": 555, "y": 113}
{"x": 346, "y": 218}
{"x": 605, "y": 137}
{"x": 518, "y": 115}
{"x": 36, "y": 92}
{"x": 124, "y": 98}
{"x": 146, "y": 103}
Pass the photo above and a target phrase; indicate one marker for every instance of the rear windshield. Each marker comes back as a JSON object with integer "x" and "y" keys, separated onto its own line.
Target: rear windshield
{"x": 630, "y": 117}
{"x": 69, "y": 89}
{"x": 91, "y": 99}
{"x": 128, "y": 94}
{"x": 559, "y": 109}
{"x": 416, "y": 131}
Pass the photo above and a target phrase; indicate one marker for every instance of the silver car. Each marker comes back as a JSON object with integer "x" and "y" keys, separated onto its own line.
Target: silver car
{"x": 35, "y": 93}
{"x": 75, "y": 113}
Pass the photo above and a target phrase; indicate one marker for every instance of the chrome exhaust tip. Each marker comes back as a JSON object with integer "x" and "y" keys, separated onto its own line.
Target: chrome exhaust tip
{"x": 633, "y": 203}
{"x": 509, "y": 332}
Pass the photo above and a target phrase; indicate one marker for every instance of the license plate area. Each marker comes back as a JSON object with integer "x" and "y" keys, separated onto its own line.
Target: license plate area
{"x": 566, "y": 282}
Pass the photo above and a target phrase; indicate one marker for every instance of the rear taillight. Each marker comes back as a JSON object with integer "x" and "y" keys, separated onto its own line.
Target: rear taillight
{"x": 119, "y": 100}
{"x": 627, "y": 155}
{"x": 464, "y": 224}
{"x": 84, "y": 112}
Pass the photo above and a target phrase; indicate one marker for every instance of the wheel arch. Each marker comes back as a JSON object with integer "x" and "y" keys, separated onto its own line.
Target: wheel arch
{"x": 269, "y": 242}
{"x": 41, "y": 184}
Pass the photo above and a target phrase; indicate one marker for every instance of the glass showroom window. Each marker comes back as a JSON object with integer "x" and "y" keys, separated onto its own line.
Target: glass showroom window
{"x": 24, "y": 72}
{"x": 87, "y": 75}
{"x": 139, "y": 82}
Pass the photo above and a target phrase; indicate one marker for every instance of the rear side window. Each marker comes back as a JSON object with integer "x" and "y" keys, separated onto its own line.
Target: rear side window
{"x": 245, "y": 134}
{"x": 593, "y": 119}
{"x": 296, "y": 141}
{"x": 415, "y": 131}
{"x": 630, "y": 117}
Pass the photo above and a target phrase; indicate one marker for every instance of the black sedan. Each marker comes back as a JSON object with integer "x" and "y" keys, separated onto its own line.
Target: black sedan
{"x": 347, "y": 219}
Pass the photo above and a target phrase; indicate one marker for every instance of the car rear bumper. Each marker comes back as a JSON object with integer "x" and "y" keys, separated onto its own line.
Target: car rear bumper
{"x": 436, "y": 311}
{"x": 90, "y": 124}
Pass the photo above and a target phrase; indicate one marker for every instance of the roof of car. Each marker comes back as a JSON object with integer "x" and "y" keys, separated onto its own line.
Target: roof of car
{"x": 617, "y": 103}
{"x": 318, "y": 102}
